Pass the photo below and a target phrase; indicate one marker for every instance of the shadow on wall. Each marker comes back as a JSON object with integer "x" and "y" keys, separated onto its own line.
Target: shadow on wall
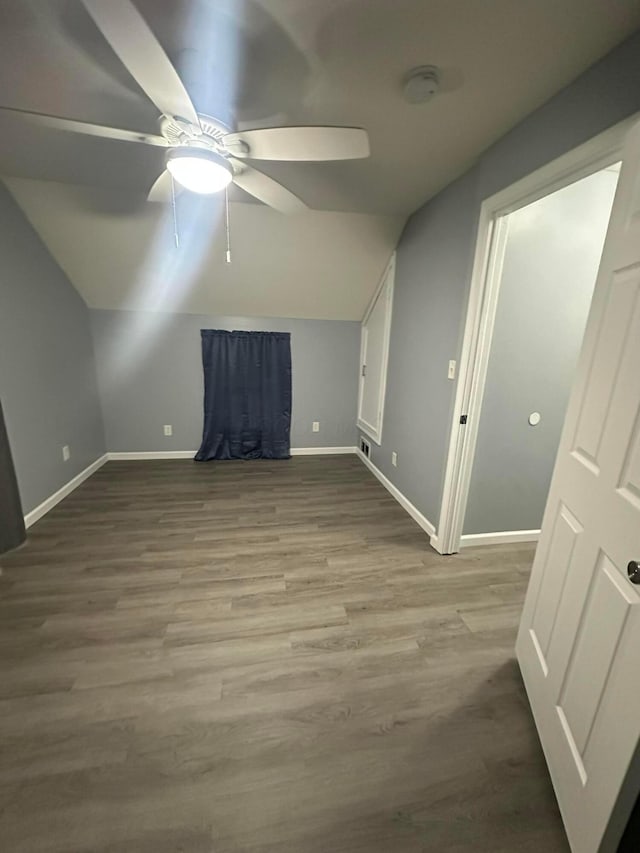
{"x": 12, "y": 531}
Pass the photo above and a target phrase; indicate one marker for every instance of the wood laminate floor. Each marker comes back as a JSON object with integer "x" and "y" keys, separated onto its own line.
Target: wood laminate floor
{"x": 262, "y": 657}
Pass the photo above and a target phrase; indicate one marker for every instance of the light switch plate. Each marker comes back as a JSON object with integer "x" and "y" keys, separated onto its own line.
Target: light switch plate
{"x": 394, "y": 459}
{"x": 451, "y": 372}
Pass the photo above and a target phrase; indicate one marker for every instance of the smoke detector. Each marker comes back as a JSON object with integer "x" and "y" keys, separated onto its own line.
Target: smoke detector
{"x": 421, "y": 84}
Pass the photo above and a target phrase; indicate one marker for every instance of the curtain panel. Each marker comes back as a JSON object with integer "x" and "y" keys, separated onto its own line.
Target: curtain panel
{"x": 247, "y": 395}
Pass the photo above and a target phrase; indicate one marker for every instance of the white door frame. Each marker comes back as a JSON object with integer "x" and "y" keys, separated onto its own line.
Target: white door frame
{"x": 598, "y": 153}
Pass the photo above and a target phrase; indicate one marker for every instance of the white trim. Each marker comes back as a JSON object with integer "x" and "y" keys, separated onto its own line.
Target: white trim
{"x": 604, "y": 150}
{"x": 404, "y": 502}
{"x": 387, "y": 281}
{"x": 503, "y": 538}
{"x": 321, "y": 451}
{"x": 135, "y": 455}
{"x": 139, "y": 455}
{"x": 436, "y": 543}
{"x": 390, "y": 268}
{"x": 43, "y": 508}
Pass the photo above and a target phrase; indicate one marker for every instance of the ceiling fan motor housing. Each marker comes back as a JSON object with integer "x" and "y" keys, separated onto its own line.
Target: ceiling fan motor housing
{"x": 205, "y": 154}
{"x": 178, "y": 131}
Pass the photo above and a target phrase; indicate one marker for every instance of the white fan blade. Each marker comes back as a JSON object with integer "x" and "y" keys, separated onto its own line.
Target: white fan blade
{"x": 140, "y": 52}
{"x": 161, "y": 190}
{"x": 299, "y": 143}
{"x": 85, "y": 127}
{"x": 266, "y": 189}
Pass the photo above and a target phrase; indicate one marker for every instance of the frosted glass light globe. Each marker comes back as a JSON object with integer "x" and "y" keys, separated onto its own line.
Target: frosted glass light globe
{"x": 199, "y": 170}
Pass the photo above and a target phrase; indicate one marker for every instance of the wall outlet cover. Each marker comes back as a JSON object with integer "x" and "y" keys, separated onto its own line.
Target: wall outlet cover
{"x": 316, "y": 426}
{"x": 168, "y": 429}
{"x": 66, "y": 453}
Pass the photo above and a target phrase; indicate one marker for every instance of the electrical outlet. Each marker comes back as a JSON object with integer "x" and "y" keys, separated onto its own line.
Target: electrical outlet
{"x": 451, "y": 372}
{"x": 168, "y": 429}
{"x": 316, "y": 426}
{"x": 66, "y": 453}
{"x": 394, "y": 459}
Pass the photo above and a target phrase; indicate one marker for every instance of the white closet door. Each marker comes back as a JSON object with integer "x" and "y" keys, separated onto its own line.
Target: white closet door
{"x": 375, "y": 348}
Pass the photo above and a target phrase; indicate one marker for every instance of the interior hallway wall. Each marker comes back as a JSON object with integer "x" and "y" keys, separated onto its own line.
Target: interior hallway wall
{"x": 551, "y": 261}
{"x": 434, "y": 261}
{"x": 150, "y": 374}
{"x": 47, "y": 369}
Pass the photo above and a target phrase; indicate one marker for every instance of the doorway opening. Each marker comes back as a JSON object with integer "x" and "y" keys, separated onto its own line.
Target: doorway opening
{"x": 548, "y": 267}
{"x": 537, "y": 257}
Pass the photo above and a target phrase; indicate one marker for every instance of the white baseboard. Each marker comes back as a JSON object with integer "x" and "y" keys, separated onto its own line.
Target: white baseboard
{"x": 116, "y": 456}
{"x": 404, "y": 502}
{"x": 43, "y": 508}
{"x": 321, "y": 451}
{"x": 189, "y": 454}
{"x": 139, "y": 455}
{"x": 501, "y": 538}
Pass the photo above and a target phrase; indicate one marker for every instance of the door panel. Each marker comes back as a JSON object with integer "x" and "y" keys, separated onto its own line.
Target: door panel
{"x": 629, "y": 483}
{"x": 602, "y": 623}
{"x": 580, "y": 630}
{"x": 566, "y": 531}
{"x": 374, "y": 351}
{"x": 615, "y": 339}
{"x": 376, "y": 329}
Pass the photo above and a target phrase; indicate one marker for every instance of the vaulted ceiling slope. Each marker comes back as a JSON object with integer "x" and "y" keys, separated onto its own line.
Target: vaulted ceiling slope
{"x": 120, "y": 252}
{"x": 276, "y": 62}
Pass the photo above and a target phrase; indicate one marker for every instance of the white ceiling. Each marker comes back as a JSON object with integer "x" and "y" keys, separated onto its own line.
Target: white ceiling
{"x": 279, "y": 62}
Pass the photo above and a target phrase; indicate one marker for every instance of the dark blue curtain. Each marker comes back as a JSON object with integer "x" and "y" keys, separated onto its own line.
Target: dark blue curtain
{"x": 247, "y": 395}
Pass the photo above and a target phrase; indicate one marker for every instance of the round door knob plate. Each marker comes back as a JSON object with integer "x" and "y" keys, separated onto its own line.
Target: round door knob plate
{"x": 633, "y": 570}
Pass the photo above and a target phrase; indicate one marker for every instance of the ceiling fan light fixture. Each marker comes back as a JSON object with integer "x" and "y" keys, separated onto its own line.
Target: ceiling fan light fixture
{"x": 199, "y": 170}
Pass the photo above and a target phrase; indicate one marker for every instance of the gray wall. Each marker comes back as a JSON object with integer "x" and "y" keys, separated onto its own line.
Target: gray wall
{"x": 430, "y": 286}
{"x": 47, "y": 370}
{"x": 550, "y": 266}
{"x": 434, "y": 266}
{"x": 150, "y": 374}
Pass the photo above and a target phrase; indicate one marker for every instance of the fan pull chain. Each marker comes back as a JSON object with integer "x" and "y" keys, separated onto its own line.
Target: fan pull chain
{"x": 175, "y": 216}
{"x": 226, "y": 211}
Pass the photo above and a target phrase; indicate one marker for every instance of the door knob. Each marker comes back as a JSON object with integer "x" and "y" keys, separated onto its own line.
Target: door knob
{"x": 633, "y": 570}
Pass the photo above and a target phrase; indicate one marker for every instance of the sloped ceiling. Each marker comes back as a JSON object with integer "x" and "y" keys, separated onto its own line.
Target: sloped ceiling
{"x": 279, "y": 62}
{"x": 121, "y": 252}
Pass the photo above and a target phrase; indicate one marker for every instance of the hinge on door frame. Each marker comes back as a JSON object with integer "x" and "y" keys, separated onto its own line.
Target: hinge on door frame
{"x": 463, "y": 419}
{"x": 364, "y": 370}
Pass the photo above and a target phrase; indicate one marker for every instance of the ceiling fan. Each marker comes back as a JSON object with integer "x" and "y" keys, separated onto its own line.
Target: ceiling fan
{"x": 204, "y": 156}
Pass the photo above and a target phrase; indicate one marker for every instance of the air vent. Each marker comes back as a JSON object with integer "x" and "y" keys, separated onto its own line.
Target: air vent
{"x": 365, "y": 447}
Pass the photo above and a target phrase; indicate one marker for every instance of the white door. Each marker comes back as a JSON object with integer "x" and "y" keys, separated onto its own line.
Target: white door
{"x": 579, "y": 639}
{"x": 376, "y": 329}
